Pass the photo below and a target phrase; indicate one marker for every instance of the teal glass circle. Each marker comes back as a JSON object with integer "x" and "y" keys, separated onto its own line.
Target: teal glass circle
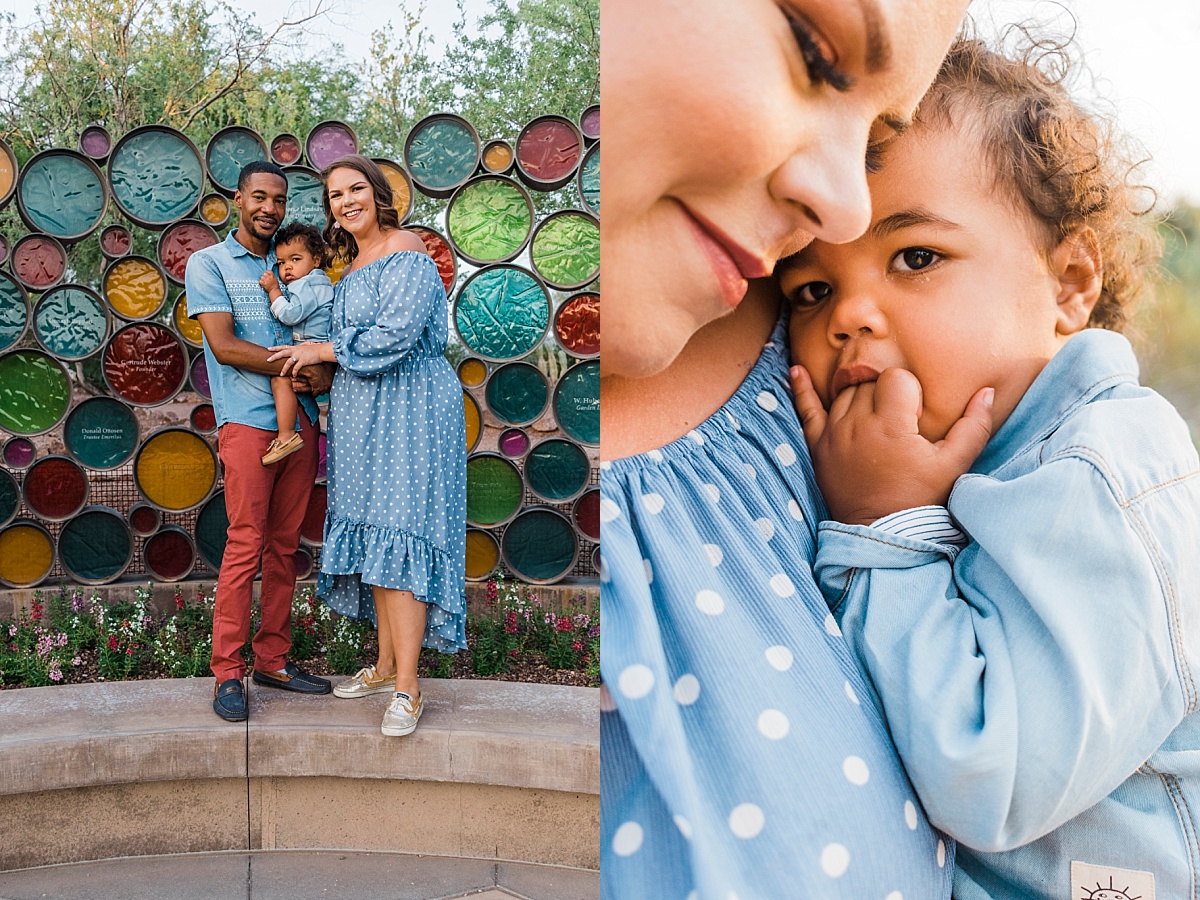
{"x": 577, "y": 402}
{"x": 540, "y": 546}
{"x": 229, "y": 151}
{"x": 502, "y": 313}
{"x": 71, "y": 322}
{"x": 557, "y": 470}
{"x": 212, "y": 528}
{"x": 589, "y": 181}
{"x": 304, "y": 197}
{"x": 35, "y": 392}
{"x": 101, "y": 433}
{"x": 95, "y": 546}
{"x": 14, "y": 311}
{"x": 441, "y": 153}
{"x": 62, "y": 193}
{"x": 156, "y": 175}
{"x": 10, "y": 498}
{"x": 517, "y": 393}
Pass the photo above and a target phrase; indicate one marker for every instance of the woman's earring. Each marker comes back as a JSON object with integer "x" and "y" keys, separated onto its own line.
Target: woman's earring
{"x": 336, "y": 226}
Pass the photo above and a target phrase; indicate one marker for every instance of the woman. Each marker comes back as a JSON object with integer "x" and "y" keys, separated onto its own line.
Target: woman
{"x": 743, "y": 752}
{"x": 395, "y": 530}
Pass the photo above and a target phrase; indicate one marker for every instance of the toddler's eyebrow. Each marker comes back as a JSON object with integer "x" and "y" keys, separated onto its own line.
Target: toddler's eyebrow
{"x": 909, "y": 218}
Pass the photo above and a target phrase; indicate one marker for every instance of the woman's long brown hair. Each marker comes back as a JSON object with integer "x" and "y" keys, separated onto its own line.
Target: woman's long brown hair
{"x": 343, "y": 245}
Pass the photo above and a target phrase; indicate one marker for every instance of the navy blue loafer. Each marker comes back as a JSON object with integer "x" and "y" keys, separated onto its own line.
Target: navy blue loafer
{"x": 229, "y": 700}
{"x": 292, "y": 679}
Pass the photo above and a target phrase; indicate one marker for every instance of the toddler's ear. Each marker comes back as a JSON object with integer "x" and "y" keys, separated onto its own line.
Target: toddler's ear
{"x": 1078, "y": 265}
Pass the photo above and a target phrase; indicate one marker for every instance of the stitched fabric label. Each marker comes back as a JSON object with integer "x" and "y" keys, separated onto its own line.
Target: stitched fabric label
{"x": 1093, "y": 882}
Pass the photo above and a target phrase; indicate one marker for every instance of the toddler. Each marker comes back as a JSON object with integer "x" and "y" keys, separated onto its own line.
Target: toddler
{"x": 305, "y": 302}
{"x": 1031, "y": 626}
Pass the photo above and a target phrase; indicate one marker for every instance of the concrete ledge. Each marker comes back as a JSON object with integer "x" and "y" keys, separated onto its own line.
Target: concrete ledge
{"x": 497, "y": 770}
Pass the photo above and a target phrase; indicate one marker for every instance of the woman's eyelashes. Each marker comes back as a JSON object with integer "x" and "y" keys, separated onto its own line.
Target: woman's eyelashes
{"x": 913, "y": 259}
{"x": 819, "y": 59}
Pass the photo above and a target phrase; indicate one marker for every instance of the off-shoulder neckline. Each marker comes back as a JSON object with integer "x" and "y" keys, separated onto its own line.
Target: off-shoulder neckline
{"x": 382, "y": 258}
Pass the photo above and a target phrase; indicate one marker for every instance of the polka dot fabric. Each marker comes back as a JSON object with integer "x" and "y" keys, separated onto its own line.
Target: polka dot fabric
{"x": 743, "y": 754}
{"x": 396, "y": 449}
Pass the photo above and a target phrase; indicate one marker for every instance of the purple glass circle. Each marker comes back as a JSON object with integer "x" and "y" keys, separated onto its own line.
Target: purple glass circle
{"x": 19, "y": 452}
{"x": 329, "y": 141}
{"x": 95, "y": 142}
{"x": 200, "y": 377}
{"x": 514, "y": 442}
{"x": 590, "y": 123}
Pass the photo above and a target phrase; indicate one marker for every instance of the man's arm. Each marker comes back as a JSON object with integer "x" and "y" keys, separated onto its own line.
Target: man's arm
{"x": 230, "y": 350}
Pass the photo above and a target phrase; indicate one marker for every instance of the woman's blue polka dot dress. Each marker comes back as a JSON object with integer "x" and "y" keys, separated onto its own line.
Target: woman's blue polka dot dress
{"x": 397, "y": 458}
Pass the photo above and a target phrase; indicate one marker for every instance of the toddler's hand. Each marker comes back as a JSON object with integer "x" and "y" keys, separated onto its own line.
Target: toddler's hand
{"x": 870, "y": 459}
{"x": 269, "y": 282}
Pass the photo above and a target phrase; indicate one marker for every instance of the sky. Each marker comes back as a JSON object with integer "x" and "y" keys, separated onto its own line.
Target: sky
{"x": 1141, "y": 53}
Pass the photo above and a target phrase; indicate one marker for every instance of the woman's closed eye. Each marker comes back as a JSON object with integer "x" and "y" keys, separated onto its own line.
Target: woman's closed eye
{"x": 913, "y": 259}
{"x": 820, "y": 60}
{"x": 814, "y": 293}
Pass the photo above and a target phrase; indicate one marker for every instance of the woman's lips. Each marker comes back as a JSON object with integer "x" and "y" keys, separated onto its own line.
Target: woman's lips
{"x": 731, "y": 263}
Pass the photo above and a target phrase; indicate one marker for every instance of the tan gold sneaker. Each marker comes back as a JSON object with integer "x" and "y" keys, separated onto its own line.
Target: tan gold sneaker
{"x": 401, "y": 715}
{"x": 365, "y": 682}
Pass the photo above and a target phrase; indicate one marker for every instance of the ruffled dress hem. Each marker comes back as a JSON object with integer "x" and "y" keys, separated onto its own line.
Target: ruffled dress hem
{"x": 357, "y": 555}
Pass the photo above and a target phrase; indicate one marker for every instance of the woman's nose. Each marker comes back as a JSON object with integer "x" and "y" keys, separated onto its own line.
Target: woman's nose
{"x": 826, "y": 181}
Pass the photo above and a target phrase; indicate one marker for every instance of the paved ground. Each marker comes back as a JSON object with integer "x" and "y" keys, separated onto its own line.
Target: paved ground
{"x": 298, "y": 875}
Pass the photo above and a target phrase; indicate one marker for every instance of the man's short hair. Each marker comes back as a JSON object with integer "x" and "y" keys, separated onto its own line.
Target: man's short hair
{"x": 258, "y": 167}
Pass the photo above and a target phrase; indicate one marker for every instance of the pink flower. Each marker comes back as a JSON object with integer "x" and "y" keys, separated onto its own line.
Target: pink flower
{"x": 112, "y": 642}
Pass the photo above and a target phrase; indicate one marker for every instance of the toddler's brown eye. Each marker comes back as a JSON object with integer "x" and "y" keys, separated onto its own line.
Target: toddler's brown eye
{"x": 811, "y": 294}
{"x": 915, "y": 258}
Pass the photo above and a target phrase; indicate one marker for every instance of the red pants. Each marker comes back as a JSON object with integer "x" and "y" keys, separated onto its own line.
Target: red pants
{"x": 266, "y": 506}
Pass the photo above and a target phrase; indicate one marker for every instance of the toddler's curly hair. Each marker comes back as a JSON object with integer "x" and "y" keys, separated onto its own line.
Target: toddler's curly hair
{"x": 1070, "y": 167}
{"x": 310, "y": 235}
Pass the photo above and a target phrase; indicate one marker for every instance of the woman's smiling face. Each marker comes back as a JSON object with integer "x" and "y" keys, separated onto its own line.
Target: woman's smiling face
{"x": 735, "y": 130}
{"x": 351, "y": 200}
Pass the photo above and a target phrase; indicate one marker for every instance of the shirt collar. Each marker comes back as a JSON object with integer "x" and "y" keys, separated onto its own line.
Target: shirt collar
{"x": 236, "y": 248}
{"x": 1089, "y": 363}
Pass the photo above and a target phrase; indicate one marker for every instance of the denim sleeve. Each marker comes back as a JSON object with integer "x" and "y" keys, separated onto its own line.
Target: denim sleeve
{"x": 410, "y": 292}
{"x": 1025, "y": 680}
{"x": 206, "y": 291}
{"x": 298, "y": 301}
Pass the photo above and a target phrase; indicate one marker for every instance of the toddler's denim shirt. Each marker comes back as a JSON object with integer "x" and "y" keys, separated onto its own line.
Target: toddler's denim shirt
{"x": 1041, "y": 684}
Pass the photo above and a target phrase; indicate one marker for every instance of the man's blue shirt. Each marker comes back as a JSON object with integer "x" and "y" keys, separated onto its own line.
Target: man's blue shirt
{"x": 224, "y": 278}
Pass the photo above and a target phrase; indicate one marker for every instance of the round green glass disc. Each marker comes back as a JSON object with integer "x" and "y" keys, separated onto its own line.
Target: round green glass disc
{"x": 494, "y": 490}
{"x": 577, "y": 402}
{"x": 442, "y": 153}
{"x": 557, "y": 470}
{"x": 14, "y": 311}
{"x": 228, "y": 152}
{"x": 95, "y": 546}
{"x": 70, "y": 322}
{"x": 10, "y": 497}
{"x": 156, "y": 176}
{"x": 489, "y": 220}
{"x": 304, "y": 198}
{"x": 540, "y": 545}
{"x": 589, "y": 181}
{"x": 102, "y": 433}
{"x": 212, "y": 527}
{"x": 502, "y": 313}
{"x": 62, "y": 195}
{"x": 517, "y": 393}
{"x": 566, "y": 250}
{"x": 34, "y": 392}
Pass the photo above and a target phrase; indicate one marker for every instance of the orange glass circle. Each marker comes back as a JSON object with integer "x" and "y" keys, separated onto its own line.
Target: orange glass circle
{"x": 26, "y": 554}
{"x": 175, "y": 469}
{"x": 135, "y": 288}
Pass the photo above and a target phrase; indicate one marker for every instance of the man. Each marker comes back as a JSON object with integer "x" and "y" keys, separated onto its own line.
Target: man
{"x": 266, "y": 504}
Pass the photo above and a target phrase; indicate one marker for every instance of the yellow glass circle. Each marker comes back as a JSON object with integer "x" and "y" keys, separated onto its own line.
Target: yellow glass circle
{"x": 189, "y": 328}
{"x": 498, "y": 157}
{"x": 474, "y": 420}
{"x": 472, "y": 372}
{"x": 175, "y": 469}
{"x": 215, "y": 210}
{"x": 401, "y": 195}
{"x": 135, "y": 288}
{"x": 26, "y": 554}
{"x": 482, "y": 554}
{"x": 8, "y": 172}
